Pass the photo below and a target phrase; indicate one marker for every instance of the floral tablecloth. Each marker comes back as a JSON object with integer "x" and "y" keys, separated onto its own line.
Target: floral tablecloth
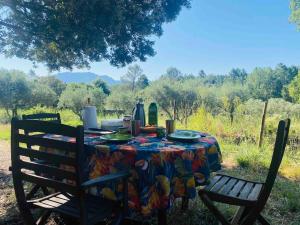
{"x": 161, "y": 170}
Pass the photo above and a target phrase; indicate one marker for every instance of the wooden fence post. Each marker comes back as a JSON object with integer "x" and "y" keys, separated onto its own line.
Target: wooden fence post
{"x": 262, "y": 128}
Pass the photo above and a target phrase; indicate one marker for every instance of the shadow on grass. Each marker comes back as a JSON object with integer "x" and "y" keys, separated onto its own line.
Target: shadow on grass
{"x": 283, "y": 206}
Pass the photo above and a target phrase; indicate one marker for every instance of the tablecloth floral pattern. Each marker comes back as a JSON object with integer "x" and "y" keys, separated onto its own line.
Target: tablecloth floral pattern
{"x": 162, "y": 170}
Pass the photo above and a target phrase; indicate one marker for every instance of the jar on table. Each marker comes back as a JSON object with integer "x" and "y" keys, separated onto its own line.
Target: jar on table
{"x": 126, "y": 122}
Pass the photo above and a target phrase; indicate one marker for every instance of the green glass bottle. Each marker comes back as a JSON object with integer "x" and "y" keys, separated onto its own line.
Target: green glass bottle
{"x": 152, "y": 114}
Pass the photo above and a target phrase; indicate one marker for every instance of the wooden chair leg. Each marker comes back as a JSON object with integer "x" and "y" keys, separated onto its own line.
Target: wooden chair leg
{"x": 238, "y": 215}
{"x": 162, "y": 217}
{"x": 42, "y": 220}
{"x": 32, "y": 192}
{"x": 262, "y": 220}
{"x": 214, "y": 209}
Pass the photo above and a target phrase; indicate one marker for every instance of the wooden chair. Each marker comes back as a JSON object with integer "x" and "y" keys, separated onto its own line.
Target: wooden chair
{"x": 70, "y": 199}
{"x": 51, "y": 117}
{"x": 250, "y": 196}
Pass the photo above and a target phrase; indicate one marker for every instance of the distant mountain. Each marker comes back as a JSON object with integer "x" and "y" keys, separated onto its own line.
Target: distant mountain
{"x": 84, "y": 77}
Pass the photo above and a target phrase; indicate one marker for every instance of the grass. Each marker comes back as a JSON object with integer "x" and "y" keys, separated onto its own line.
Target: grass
{"x": 4, "y": 132}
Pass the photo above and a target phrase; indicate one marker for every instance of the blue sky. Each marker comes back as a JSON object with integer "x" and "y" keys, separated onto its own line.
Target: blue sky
{"x": 214, "y": 35}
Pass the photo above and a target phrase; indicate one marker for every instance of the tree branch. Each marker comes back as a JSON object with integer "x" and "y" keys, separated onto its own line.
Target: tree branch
{"x": 8, "y": 25}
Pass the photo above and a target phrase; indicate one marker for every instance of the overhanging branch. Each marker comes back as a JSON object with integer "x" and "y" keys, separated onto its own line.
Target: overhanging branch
{"x": 8, "y": 25}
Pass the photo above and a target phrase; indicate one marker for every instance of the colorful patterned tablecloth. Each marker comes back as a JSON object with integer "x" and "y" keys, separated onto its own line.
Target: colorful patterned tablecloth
{"x": 162, "y": 170}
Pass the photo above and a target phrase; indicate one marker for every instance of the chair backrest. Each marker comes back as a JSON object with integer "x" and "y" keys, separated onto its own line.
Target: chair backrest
{"x": 280, "y": 143}
{"x": 51, "y": 117}
{"x": 61, "y": 160}
{"x": 279, "y": 148}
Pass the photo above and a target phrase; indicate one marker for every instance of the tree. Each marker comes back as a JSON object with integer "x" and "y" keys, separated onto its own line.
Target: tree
{"x": 202, "y": 74}
{"x": 53, "y": 83}
{"x": 230, "y": 103}
{"x": 121, "y": 100}
{"x": 131, "y": 77}
{"x": 187, "y": 103}
{"x": 102, "y": 85}
{"x": 64, "y": 34}
{"x": 294, "y": 89}
{"x": 142, "y": 82}
{"x": 173, "y": 74}
{"x": 262, "y": 84}
{"x": 76, "y": 96}
{"x": 15, "y": 91}
{"x": 295, "y": 12}
{"x": 43, "y": 95}
{"x": 175, "y": 98}
{"x": 238, "y": 75}
{"x": 266, "y": 83}
{"x": 164, "y": 92}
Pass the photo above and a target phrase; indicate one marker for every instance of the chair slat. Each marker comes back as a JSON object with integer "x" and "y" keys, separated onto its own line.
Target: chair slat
{"x": 212, "y": 182}
{"x": 41, "y": 116}
{"x": 255, "y": 192}
{"x": 220, "y": 184}
{"x": 48, "y": 157}
{"x": 48, "y": 170}
{"x": 227, "y": 188}
{"x": 246, "y": 190}
{"x": 47, "y": 182}
{"x": 46, "y": 142}
{"x": 236, "y": 189}
{"x": 60, "y": 209}
{"x": 66, "y": 206}
{"x": 45, "y": 127}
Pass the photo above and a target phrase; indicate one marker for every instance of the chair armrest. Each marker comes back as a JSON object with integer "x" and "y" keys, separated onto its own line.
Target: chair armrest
{"x": 106, "y": 178}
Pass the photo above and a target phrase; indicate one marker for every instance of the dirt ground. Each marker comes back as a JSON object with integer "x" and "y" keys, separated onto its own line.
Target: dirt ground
{"x": 4, "y": 157}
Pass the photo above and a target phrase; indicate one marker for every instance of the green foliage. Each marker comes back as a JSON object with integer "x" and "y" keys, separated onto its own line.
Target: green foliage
{"x": 173, "y": 74}
{"x": 265, "y": 83}
{"x": 294, "y": 89}
{"x": 132, "y": 76}
{"x": 15, "y": 91}
{"x": 165, "y": 92}
{"x": 4, "y": 132}
{"x": 76, "y": 96}
{"x": 142, "y": 82}
{"x": 43, "y": 95}
{"x": 238, "y": 75}
{"x": 52, "y": 82}
{"x": 295, "y": 12}
{"x": 64, "y": 34}
{"x": 120, "y": 99}
{"x": 102, "y": 85}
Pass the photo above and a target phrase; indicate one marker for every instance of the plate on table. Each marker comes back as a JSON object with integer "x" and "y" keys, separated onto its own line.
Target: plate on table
{"x": 117, "y": 137}
{"x": 96, "y": 131}
{"x": 149, "y": 129}
{"x": 184, "y": 135}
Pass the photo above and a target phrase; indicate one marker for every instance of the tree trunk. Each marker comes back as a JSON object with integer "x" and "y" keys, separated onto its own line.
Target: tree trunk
{"x": 174, "y": 110}
{"x": 14, "y": 112}
{"x": 7, "y": 112}
{"x": 262, "y": 128}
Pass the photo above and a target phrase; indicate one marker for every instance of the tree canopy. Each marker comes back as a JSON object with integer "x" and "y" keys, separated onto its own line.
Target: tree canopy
{"x": 67, "y": 34}
{"x": 295, "y": 12}
{"x": 15, "y": 91}
{"x": 294, "y": 89}
{"x": 69, "y": 98}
